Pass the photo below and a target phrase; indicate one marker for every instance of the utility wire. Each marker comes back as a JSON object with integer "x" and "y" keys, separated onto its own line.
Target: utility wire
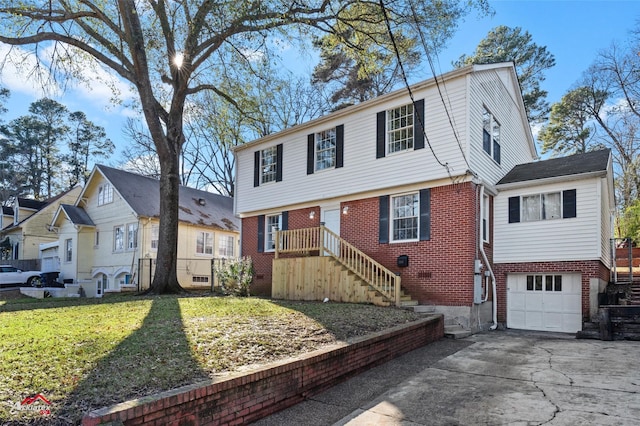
{"x": 433, "y": 71}
{"x": 406, "y": 82}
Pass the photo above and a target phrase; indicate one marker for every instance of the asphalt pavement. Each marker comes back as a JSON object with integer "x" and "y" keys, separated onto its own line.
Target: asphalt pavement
{"x": 503, "y": 377}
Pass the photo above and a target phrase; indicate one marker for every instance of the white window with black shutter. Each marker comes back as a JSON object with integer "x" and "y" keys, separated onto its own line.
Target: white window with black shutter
{"x": 267, "y": 166}
{"x": 325, "y": 149}
{"x": 400, "y": 129}
{"x": 267, "y": 227}
{"x": 543, "y": 206}
{"x": 405, "y": 217}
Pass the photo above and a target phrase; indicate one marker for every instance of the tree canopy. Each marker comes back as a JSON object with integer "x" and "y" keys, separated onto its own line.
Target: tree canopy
{"x": 504, "y": 44}
{"x": 170, "y": 51}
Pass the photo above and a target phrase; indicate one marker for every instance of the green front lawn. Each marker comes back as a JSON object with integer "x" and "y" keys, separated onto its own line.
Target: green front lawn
{"x": 83, "y": 354}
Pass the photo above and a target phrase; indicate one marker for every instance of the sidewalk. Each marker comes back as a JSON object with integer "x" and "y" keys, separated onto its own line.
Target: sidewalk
{"x": 500, "y": 377}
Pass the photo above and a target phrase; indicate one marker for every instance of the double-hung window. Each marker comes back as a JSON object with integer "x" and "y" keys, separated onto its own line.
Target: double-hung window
{"x": 269, "y": 164}
{"x": 225, "y": 246}
{"x": 132, "y": 236}
{"x": 326, "y": 149}
{"x": 273, "y": 223}
{"x": 155, "y": 235}
{"x": 400, "y": 128}
{"x": 118, "y": 238}
{"x": 204, "y": 243}
{"x": 486, "y": 218}
{"x": 405, "y": 214}
{"x": 491, "y": 135}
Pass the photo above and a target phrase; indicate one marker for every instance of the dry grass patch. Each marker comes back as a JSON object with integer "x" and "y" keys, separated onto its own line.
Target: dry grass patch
{"x": 88, "y": 353}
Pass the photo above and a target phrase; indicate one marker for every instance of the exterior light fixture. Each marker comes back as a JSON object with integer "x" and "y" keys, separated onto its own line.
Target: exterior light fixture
{"x": 345, "y": 210}
{"x": 312, "y": 214}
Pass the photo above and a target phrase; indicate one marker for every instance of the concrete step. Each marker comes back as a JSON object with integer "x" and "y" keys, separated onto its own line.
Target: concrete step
{"x": 424, "y": 309}
{"x": 456, "y": 332}
{"x": 407, "y": 303}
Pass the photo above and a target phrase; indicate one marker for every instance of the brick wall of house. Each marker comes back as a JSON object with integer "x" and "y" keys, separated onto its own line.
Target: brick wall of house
{"x": 588, "y": 269}
{"x": 440, "y": 270}
{"x": 246, "y": 397}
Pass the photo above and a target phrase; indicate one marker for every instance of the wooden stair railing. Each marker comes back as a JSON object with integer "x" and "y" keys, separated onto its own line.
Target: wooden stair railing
{"x": 328, "y": 243}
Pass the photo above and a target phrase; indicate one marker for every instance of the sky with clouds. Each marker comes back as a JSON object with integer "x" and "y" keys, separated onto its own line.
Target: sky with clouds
{"x": 573, "y": 31}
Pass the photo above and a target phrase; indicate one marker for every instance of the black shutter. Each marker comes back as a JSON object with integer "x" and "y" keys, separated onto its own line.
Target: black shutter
{"x": 339, "y": 146}
{"x": 418, "y": 124}
{"x": 279, "y": 163}
{"x": 256, "y": 168}
{"x": 285, "y": 221}
{"x": 514, "y": 209}
{"x": 425, "y": 214}
{"x": 568, "y": 203}
{"x": 380, "y": 134}
{"x": 383, "y": 223}
{"x": 261, "y": 233}
{"x": 311, "y": 153}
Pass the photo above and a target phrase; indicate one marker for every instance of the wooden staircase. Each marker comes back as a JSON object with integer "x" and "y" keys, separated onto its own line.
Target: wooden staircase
{"x": 358, "y": 274}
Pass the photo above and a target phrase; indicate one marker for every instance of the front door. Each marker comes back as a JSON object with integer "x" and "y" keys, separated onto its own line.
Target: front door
{"x": 331, "y": 219}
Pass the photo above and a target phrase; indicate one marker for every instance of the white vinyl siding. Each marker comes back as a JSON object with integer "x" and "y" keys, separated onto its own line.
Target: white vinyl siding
{"x": 362, "y": 170}
{"x": 550, "y": 240}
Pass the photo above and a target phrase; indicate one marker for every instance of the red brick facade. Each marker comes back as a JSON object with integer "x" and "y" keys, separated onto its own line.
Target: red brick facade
{"x": 588, "y": 269}
{"x": 440, "y": 270}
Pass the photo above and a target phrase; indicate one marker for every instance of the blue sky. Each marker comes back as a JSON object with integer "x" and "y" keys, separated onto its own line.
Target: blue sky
{"x": 573, "y": 31}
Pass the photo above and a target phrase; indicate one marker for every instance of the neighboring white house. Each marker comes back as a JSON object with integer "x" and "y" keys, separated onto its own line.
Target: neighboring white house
{"x": 108, "y": 239}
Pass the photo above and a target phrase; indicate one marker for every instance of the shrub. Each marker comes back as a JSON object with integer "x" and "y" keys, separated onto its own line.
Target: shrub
{"x": 235, "y": 276}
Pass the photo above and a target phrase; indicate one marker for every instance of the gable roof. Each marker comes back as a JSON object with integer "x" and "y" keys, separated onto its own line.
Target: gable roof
{"x": 195, "y": 206}
{"x": 77, "y": 215}
{"x": 594, "y": 162}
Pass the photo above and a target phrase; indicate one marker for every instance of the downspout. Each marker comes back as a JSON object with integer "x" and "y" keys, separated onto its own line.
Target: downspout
{"x": 486, "y": 262}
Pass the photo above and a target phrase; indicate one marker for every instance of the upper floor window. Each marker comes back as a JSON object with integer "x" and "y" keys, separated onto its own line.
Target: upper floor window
{"x": 491, "y": 135}
{"x": 267, "y": 165}
{"x": 400, "y": 128}
{"x": 226, "y": 243}
{"x": 405, "y": 212}
{"x": 132, "y": 236}
{"x": 326, "y": 149}
{"x": 204, "y": 243}
{"x": 544, "y": 206}
{"x": 118, "y": 238}
{"x": 105, "y": 194}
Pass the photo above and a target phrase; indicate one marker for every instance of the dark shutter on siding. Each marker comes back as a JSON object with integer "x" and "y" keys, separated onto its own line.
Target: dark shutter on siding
{"x": 285, "y": 221}
{"x": 339, "y": 146}
{"x": 311, "y": 153}
{"x": 261, "y": 233}
{"x": 256, "y": 168}
{"x": 514, "y": 209}
{"x": 418, "y": 124}
{"x": 425, "y": 214}
{"x": 383, "y": 223}
{"x": 568, "y": 203}
{"x": 279, "y": 163}
{"x": 381, "y": 134}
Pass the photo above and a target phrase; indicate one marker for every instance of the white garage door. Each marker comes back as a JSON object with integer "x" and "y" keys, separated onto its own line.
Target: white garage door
{"x": 544, "y": 302}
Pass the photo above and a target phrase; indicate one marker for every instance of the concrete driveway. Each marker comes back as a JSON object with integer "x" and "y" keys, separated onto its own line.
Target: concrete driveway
{"x": 495, "y": 378}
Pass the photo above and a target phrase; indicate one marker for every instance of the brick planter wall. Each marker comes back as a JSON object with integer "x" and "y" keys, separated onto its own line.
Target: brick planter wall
{"x": 247, "y": 397}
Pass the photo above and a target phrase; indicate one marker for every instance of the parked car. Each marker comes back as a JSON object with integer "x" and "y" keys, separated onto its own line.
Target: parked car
{"x": 12, "y": 276}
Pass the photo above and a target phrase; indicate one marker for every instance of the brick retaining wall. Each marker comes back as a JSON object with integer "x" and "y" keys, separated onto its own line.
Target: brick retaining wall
{"x": 245, "y": 397}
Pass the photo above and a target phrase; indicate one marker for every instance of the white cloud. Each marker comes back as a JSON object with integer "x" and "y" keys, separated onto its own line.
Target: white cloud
{"x": 20, "y": 73}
